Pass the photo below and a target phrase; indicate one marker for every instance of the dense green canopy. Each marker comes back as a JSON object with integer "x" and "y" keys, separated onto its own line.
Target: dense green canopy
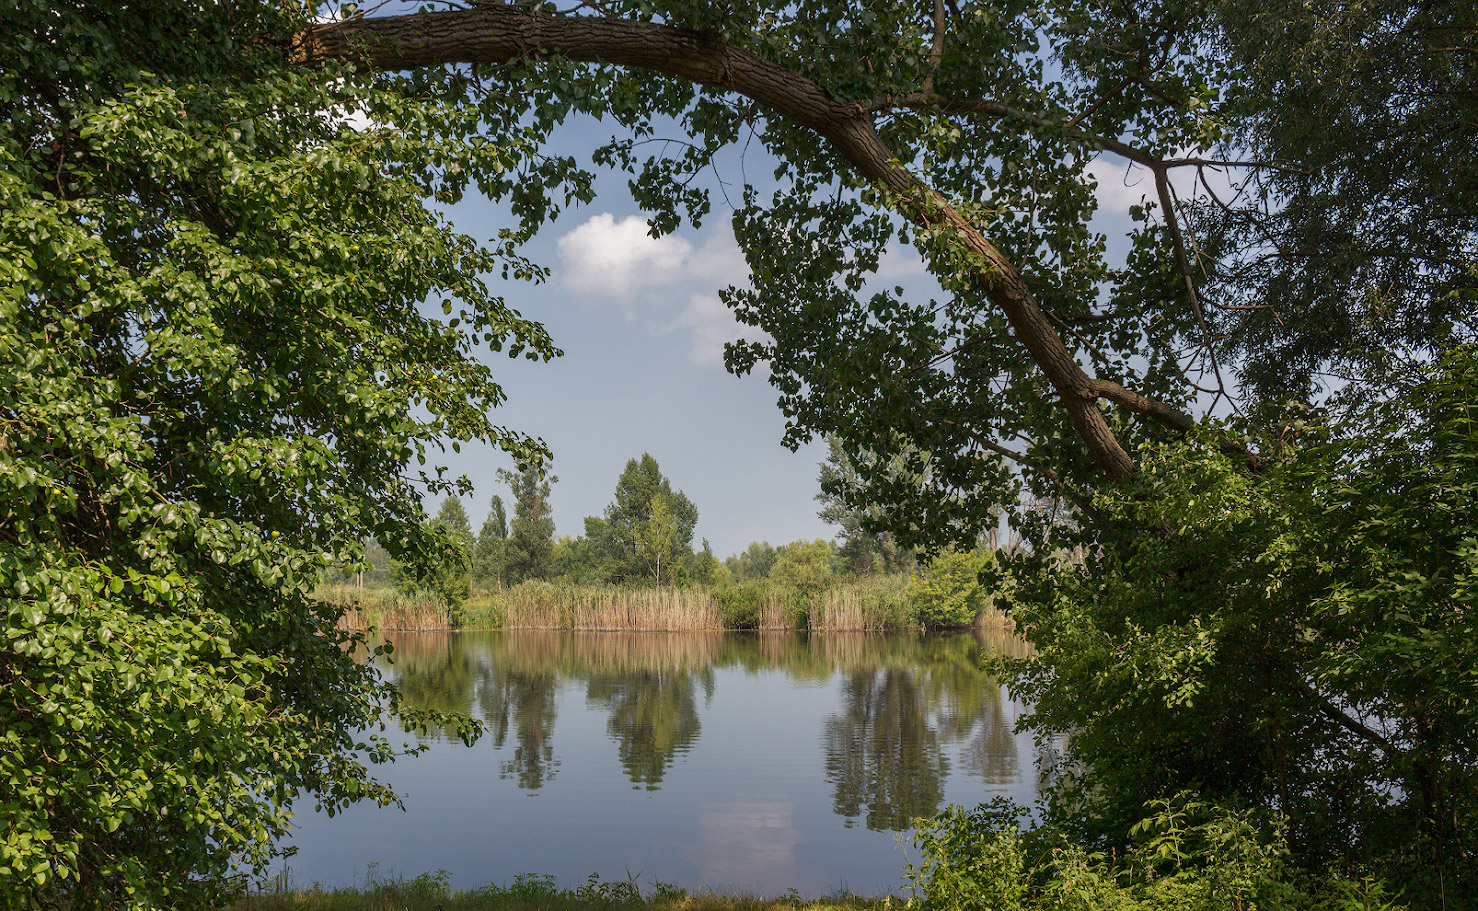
{"x": 215, "y": 365}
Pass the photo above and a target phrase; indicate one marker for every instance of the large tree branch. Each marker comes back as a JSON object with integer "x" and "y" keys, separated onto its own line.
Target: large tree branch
{"x": 497, "y": 34}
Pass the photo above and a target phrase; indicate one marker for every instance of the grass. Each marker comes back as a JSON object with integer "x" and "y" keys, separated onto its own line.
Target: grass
{"x": 431, "y": 892}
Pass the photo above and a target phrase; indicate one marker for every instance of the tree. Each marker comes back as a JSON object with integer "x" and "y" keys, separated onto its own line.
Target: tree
{"x": 648, "y": 527}
{"x": 703, "y": 568}
{"x": 948, "y": 591}
{"x": 863, "y": 551}
{"x": 754, "y": 563}
{"x": 214, "y": 368}
{"x": 531, "y": 534}
{"x": 804, "y": 566}
{"x": 489, "y": 557}
{"x": 451, "y": 578}
{"x": 1299, "y": 639}
{"x": 579, "y": 560}
{"x": 656, "y": 541}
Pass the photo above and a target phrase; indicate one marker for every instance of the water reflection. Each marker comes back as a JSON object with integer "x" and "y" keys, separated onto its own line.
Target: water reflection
{"x": 527, "y": 698}
{"x": 654, "y": 717}
{"x": 883, "y": 757}
{"x": 902, "y": 701}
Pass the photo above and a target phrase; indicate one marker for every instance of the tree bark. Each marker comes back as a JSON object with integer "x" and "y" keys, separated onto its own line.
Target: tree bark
{"x": 498, "y": 33}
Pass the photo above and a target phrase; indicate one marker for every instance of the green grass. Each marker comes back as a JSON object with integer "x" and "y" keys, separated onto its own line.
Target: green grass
{"x": 431, "y": 892}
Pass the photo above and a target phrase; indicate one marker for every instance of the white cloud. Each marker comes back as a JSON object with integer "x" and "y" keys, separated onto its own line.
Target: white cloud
{"x": 710, "y": 325}
{"x": 899, "y": 262}
{"x": 1120, "y": 185}
{"x": 615, "y": 258}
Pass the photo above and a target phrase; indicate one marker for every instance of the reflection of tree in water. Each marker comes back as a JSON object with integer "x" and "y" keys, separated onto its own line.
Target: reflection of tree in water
{"x": 434, "y": 673}
{"x": 528, "y": 701}
{"x": 972, "y": 710}
{"x": 991, "y": 755}
{"x": 654, "y": 717}
{"x": 883, "y": 757}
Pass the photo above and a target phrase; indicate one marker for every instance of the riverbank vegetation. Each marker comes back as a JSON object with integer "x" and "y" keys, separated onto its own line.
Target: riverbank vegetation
{"x": 878, "y": 604}
{"x": 635, "y": 569}
{"x": 430, "y": 892}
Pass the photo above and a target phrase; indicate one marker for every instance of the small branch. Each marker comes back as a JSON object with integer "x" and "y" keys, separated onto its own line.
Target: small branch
{"x": 1214, "y": 163}
{"x": 1183, "y": 264}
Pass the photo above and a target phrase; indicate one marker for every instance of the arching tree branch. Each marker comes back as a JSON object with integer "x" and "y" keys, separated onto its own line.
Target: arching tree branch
{"x": 497, "y": 33}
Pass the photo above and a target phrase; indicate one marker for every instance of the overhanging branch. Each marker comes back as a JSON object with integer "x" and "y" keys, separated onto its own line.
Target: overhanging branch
{"x": 498, "y": 34}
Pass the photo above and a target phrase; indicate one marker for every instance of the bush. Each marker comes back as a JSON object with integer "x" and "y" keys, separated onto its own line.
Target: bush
{"x": 1186, "y": 856}
{"x": 947, "y": 592}
{"x": 740, "y": 605}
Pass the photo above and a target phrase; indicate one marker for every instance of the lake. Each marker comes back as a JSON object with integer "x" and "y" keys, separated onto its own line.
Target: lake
{"x": 722, "y": 761}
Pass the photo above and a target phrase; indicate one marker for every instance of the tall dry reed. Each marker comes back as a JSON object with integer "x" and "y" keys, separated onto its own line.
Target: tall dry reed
{"x": 542, "y": 605}
{"x": 383, "y": 608}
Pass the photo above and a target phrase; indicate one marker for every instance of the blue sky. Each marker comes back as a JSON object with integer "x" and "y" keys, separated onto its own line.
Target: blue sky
{"x": 642, "y": 328}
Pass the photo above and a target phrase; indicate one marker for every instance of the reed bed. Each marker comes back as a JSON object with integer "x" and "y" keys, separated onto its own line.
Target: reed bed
{"x": 385, "y": 609}
{"x": 877, "y": 604}
{"x": 541, "y": 605}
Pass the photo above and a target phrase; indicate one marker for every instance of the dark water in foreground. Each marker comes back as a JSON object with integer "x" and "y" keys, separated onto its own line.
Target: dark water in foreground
{"x": 706, "y": 760}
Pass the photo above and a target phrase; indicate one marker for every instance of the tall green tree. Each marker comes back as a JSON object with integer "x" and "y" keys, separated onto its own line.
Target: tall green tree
{"x": 648, "y": 528}
{"x": 215, "y": 366}
{"x": 451, "y": 577}
{"x": 490, "y": 554}
{"x": 530, "y": 553}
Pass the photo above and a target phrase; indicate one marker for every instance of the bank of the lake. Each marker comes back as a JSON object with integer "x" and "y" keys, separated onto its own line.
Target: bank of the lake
{"x": 534, "y": 893}
{"x": 867, "y": 604}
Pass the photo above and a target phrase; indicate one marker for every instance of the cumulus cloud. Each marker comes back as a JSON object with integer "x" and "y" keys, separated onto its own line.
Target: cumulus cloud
{"x": 710, "y": 325}
{"x": 612, "y": 257}
{"x": 1120, "y": 185}
{"x": 615, "y": 259}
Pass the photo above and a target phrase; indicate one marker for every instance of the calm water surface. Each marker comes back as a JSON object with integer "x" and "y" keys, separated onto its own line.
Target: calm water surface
{"x": 709, "y": 761}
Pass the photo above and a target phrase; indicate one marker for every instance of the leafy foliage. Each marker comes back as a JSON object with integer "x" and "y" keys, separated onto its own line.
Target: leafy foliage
{"x": 214, "y": 367}
{"x": 450, "y": 578}
{"x": 862, "y": 550}
{"x": 1184, "y": 856}
{"x": 947, "y": 591}
{"x": 1298, "y": 638}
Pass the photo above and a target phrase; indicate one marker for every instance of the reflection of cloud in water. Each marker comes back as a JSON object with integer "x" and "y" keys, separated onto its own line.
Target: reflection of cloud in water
{"x": 744, "y": 842}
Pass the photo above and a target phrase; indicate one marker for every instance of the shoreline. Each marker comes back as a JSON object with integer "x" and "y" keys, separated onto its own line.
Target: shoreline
{"x": 870, "y": 605}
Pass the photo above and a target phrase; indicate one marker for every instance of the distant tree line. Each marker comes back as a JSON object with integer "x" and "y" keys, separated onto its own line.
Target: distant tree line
{"x": 644, "y": 537}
